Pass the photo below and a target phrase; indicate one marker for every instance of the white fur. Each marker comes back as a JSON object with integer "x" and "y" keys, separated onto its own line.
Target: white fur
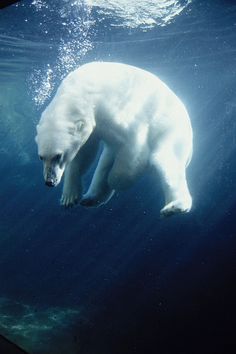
{"x": 140, "y": 121}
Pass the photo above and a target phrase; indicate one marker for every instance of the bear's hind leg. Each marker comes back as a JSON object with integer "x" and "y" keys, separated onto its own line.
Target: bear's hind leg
{"x": 99, "y": 192}
{"x": 173, "y": 175}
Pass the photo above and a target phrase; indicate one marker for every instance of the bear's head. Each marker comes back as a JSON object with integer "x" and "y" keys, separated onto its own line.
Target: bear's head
{"x": 58, "y": 143}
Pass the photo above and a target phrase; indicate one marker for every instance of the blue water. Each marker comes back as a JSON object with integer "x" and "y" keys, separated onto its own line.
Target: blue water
{"x": 118, "y": 279}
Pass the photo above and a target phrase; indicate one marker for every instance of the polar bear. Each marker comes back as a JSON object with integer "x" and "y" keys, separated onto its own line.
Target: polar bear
{"x": 140, "y": 123}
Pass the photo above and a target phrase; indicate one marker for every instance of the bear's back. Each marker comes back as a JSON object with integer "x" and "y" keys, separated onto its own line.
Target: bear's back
{"x": 110, "y": 74}
{"x": 123, "y": 97}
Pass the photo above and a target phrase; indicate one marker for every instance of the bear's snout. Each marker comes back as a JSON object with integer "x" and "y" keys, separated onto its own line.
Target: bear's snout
{"x": 52, "y": 175}
{"x": 50, "y": 182}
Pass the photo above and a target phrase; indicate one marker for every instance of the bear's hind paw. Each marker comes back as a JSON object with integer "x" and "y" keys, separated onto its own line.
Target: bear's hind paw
{"x": 176, "y": 207}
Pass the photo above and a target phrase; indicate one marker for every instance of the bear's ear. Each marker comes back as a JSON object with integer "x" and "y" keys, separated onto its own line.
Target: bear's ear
{"x": 36, "y": 139}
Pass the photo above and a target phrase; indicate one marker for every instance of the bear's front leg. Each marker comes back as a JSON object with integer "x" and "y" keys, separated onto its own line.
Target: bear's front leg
{"x": 99, "y": 191}
{"x": 72, "y": 188}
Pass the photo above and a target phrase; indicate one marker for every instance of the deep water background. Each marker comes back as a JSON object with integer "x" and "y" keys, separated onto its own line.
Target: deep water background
{"x": 136, "y": 283}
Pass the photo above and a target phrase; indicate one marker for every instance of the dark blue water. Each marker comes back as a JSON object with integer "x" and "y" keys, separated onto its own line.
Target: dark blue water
{"x": 118, "y": 279}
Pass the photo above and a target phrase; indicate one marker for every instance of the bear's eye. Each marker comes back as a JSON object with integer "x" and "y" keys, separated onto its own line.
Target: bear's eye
{"x": 57, "y": 157}
{"x": 79, "y": 125}
{"x": 40, "y": 157}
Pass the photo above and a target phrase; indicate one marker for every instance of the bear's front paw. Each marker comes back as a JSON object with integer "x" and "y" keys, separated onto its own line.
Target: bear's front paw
{"x": 89, "y": 202}
{"x": 69, "y": 200}
{"x": 176, "y": 207}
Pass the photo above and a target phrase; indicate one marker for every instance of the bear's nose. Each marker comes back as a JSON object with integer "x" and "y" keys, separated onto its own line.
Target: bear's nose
{"x": 50, "y": 183}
